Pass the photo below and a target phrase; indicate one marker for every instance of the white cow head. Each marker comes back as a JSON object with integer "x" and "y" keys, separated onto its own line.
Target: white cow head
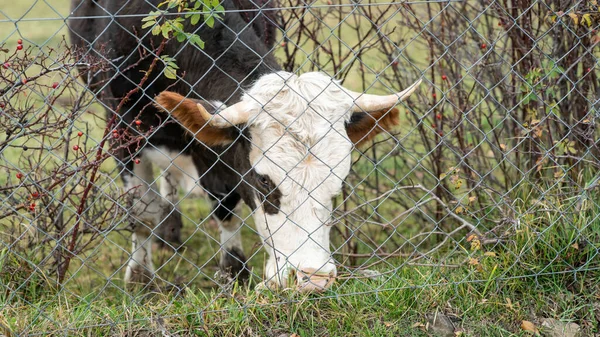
{"x": 301, "y": 131}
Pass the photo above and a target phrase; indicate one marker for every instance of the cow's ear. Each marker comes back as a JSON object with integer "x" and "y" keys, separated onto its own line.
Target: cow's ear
{"x": 364, "y": 126}
{"x": 187, "y": 112}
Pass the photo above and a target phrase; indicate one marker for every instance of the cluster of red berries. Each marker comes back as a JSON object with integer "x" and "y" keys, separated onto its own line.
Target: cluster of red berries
{"x": 19, "y": 44}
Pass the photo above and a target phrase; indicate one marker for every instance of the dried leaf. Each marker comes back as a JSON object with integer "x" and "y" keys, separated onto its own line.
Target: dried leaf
{"x": 503, "y": 147}
{"x": 530, "y": 327}
{"x": 459, "y": 210}
{"x": 489, "y": 254}
{"x": 575, "y": 18}
{"x": 575, "y": 246}
{"x": 418, "y": 325}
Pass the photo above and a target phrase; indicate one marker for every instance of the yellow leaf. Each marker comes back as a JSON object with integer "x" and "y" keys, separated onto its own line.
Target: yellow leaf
{"x": 472, "y": 199}
{"x": 490, "y": 254}
{"x": 503, "y": 147}
{"x": 459, "y": 209}
{"x": 575, "y": 246}
{"x": 471, "y": 237}
{"x": 473, "y": 262}
{"x": 574, "y": 18}
{"x": 442, "y": 176}
{"x": 587, "y": 18}
{"x": 530, "y": 327}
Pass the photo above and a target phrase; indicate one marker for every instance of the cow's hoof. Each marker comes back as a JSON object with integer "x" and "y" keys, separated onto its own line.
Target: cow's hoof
{"x": 233, "y": 264}
{"x": 138, "y": 275}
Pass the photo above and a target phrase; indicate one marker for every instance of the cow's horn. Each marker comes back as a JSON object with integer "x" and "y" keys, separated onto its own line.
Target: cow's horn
{"x": 233, "y": 115}
{"x": 369, "y": 103}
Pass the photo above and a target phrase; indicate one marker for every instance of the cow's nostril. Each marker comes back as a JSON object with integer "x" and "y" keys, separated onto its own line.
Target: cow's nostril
{"x": 310, "y": 280}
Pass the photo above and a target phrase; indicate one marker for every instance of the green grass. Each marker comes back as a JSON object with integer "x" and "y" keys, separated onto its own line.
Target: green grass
{"x": 547, "y": 267}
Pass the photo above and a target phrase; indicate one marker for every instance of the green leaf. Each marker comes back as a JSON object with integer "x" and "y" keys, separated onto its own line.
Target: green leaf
{"x": 195, "y": 39}
{"x": 156, "y": 30}
{"x": 148, "y": 24}
{"x": 170, "y": 73}
{"x": 195, "y": 19}
{"x": 210, "y": 20}
{"x": 165, "y": 31}
{"x": 181, "y": 37}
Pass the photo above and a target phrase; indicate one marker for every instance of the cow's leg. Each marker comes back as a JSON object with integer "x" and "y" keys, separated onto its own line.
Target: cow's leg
{"x": 146, "y": 213}
{"x": 227, "y": 214}
{"x": 169, "y": 230}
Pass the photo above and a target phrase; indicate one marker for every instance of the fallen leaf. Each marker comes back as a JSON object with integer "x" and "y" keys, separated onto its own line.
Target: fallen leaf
{"x": 529, "y": 327}
{"x": 575, "y": 18}
{"x": 473, "y": 261}
{"x": 503, "y": 147}
{"x": 490, "y": 254}
{"x": 575, "y": 246}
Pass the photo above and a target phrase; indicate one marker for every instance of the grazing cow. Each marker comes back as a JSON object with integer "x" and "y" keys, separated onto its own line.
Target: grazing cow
{"x": 282, "y": 143}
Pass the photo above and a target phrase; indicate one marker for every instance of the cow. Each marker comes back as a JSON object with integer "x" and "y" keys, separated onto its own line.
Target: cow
{"x": 238, "y": 128}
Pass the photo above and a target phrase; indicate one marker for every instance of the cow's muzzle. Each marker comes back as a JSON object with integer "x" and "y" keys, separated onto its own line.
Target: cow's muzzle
{"x": 311, "y": 280}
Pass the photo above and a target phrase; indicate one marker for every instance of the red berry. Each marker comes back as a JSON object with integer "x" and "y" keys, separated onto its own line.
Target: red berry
{"x": 24, "y": 81}
{"x": 483, "y": 46}
{"x": 32, "y": 207}
{"x": 433, "y": 125}
{"x": 35, "y": 195}
{"x": 444, "y": 77}
{"x": 1, "y": 105}
{"x": 19, "y": 175}
{"x": 75, "y": 147}
{"x": 438, "y": 116}
{"x": 54, "y": 85}
{"x": 137, "y": 161}
{"x": 395, "y": 63}
{"x": 441, "y": 133}
{"x": 138, "y": 122}
{"x": 19, "y": 41}
{"x": 19, "y": 47}
{"x": 434, "y": 95}
{"x": 500, "y": 23}
{"x": 589, "y": 69}
{"x": 79, "y": 134}
{"x": 6, "y": 65}
{"x": 283, "y": 44}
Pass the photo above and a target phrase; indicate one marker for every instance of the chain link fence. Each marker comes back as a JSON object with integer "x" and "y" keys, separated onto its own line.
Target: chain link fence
{"x": 130, "y": 141}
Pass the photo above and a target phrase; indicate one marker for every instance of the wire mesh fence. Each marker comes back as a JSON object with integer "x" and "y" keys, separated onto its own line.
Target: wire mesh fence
{"x": 213, "y": 152}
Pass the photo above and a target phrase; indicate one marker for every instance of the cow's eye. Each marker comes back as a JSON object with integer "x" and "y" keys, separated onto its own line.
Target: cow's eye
{"x": 264, "y": 181}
